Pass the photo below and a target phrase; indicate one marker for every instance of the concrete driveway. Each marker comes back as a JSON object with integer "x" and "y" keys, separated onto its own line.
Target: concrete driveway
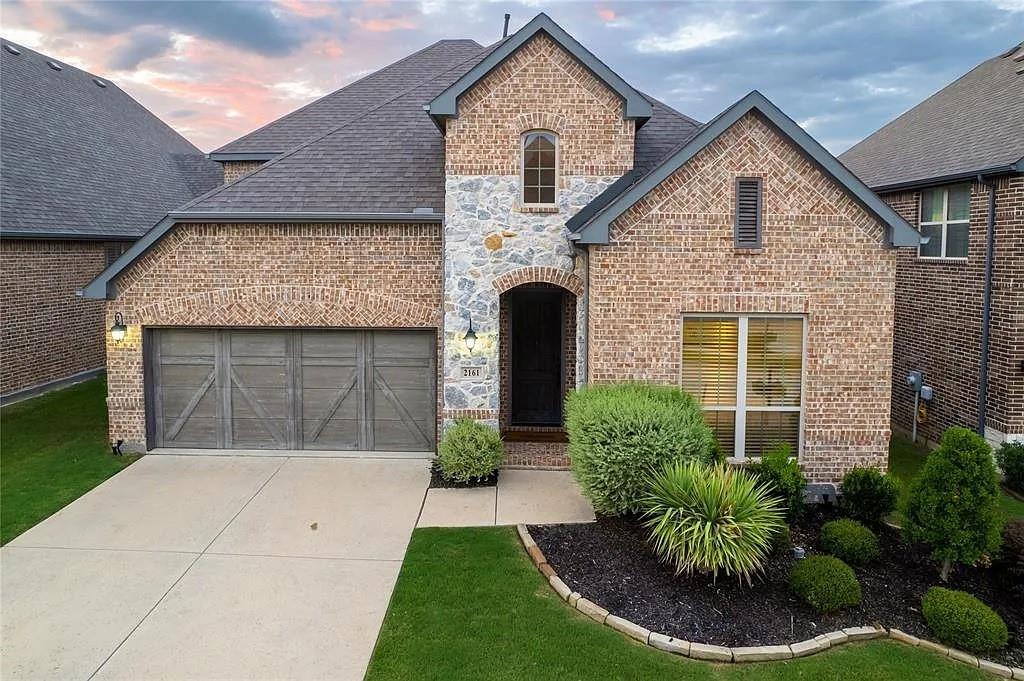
{"x": 186, "y": 567}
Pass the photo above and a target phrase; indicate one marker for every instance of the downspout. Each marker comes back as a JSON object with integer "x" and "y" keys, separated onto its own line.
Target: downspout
{"x": 986, "y": 304}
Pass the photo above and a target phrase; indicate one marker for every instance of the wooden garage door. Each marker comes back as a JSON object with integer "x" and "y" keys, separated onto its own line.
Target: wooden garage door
{"x": 331, "y": 390}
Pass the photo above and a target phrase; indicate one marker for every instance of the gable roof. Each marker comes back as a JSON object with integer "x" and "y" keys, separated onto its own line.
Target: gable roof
{"x": 343, "y": 174}
{"x": 591, "y": 225}
{"x": 81, "y": 159}
{"x": 446, "y": 104}
{"x": 973, "y": 125}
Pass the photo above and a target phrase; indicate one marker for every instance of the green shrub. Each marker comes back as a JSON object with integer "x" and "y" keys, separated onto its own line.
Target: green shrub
{"x": 826, "y": 583}
{"x": 868, "y": 494}
{"x": 1011, "y": 460}
{"x": 849, "y": 541}
{"x": 469, "y": 451}
{"x": 960, "y": 620}
{"x": 782, "y": 473}
{"x": 620, "y": 434}
{"x": 953, "y": 503}
{"x": 711, "y": 518}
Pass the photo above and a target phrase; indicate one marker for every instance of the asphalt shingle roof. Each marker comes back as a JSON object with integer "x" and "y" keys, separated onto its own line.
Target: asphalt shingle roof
{"x": 974, "y": 123}
{"x": 371, "y": 148}
{"x": 82, "y": 161}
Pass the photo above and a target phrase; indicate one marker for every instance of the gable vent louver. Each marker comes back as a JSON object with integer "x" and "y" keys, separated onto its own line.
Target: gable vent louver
{"x": 748, "y": 212}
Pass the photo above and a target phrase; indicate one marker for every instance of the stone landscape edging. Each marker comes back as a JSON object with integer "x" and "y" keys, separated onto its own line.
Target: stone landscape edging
{"x": 711, "y": 653}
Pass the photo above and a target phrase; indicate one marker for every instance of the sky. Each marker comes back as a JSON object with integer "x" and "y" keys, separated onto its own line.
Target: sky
{"x": 216, "y": 70}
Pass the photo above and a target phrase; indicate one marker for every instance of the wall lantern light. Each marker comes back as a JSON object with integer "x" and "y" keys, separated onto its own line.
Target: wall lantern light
{"x": 118, "y": 330}
{"x": 470, "y": 336}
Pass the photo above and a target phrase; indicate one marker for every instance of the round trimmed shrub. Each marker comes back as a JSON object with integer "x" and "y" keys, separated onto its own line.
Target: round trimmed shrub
{"x": 960, "y": 620}
{"x": 1011, "y": 460}
{"x": 849, "y": 541}
{"x": 709, "y": 519}
{"x": 469, "y": 451}
{"x": 619, "y": 434}
{"x": 868, "y": 494}
{"x": 954, "y": 502}
{"x": 826, "y": 583}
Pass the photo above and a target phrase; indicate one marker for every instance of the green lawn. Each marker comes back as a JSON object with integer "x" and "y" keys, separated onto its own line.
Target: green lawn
{"x": 470, "y": 605}
{"x": 53, "y": 449}
{"x": 906, "y": 460}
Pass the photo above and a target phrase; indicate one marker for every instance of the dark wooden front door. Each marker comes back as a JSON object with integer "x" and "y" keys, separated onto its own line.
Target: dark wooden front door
{"x": 535, "y": 357}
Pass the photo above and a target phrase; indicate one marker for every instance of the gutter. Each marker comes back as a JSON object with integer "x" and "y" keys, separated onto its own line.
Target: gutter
{"x": 986, "y": 304}
{"x": 242, "y": 155}
{"x": 1016, "y": 167}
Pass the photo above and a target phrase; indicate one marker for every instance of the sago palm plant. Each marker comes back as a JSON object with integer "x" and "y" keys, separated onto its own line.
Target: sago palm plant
{"x": 711, "y": 519}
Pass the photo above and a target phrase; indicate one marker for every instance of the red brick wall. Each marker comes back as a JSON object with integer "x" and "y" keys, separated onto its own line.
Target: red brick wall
{"x": 48, "y": 333}
{"x": 939, "y": 317}
{"x": 822, "y": 257}
{"x": 235, "y": 169}
{"x": 260, "y": 275}
{"x": 541, "y": 86}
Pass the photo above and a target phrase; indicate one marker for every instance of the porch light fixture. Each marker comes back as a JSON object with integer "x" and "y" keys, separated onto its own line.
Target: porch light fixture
{"x": 470, "y": 337}
{"x": 118, "y": 330}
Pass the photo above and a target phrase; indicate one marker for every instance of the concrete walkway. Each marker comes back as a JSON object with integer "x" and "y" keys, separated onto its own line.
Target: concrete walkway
{"x": 222, "y": 567}
{"x": 521, "y": 496}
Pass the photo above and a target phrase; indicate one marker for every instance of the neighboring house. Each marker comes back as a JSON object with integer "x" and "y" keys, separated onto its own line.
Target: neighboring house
{"x": 472, "y": 232}
{"x": 84, "y": 171}
{"x": 960, "y": 297}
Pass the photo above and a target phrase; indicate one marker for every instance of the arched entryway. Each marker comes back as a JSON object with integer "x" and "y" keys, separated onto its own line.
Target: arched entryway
{"x": 537, "y": 356}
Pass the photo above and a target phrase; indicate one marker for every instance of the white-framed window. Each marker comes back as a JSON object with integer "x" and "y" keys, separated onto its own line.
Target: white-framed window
{"x": 747, "y": 371}
{"x": 540, "y": 168}
{"x": 945, "y": 217}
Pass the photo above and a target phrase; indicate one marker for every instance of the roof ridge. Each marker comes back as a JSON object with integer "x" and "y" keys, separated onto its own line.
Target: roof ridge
{"x": 343, "y": 88}
{"x": 303, "y": 145}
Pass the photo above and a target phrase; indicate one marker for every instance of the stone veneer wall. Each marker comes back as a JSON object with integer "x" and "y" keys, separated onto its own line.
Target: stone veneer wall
{"x": 822, "y": 257}
{"x": 47, "y": 332}
{"x": 269, "y": 275}
{"x": 938, "y": 321}
{"x": 488, "y": 234}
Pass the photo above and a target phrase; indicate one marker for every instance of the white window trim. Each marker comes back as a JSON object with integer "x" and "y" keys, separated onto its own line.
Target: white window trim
{"x": 943, "y": 225}
{"x": 741, "y": 409}
{"x": 522, "y": 167}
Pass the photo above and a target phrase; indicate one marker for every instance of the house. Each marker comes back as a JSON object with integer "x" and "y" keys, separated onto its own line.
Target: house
{"x": 954, "y": 167}
{"x": 473, "y": 231}
{"x": 85, "y": 170}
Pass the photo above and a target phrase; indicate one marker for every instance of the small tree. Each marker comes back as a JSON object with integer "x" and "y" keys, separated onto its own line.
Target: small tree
{"x": 953, "y": 503}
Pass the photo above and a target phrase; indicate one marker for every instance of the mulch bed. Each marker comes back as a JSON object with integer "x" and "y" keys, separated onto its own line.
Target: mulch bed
{"x": 438, "y": 481}
{"x": 609, "y": 562}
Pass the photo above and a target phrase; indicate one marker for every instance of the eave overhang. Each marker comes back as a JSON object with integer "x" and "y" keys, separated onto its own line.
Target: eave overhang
{"x": 446, "y": 104}
{"x": 243, "y": 155}
{"x": 593, "y": 227}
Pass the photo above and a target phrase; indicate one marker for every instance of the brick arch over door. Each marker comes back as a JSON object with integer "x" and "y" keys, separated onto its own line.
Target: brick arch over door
{"x": 539, "y": 275}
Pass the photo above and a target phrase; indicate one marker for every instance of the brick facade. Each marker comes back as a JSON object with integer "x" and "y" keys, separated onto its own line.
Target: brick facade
{"x": 493, "y": 242}
{"x": 235, "y": 169}
{"x": 541, "y": 86}
{"x": 48, "y": 332}
{"x": 939, "y": 318}
{"x": 822, "y": 257}
{"x": 308, "y": 275}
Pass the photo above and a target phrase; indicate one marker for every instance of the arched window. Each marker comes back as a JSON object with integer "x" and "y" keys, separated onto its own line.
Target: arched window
{"x": 539, "y": 168}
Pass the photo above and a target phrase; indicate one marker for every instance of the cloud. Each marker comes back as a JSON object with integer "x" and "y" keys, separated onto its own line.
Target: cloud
{"x": 385, "y": 25}
{"x": 297, "y": 89}
{"x": 183, "y": 113}
{"x": 254, "y": 26}
{"x": 141, "y": 45}
{"x": 689, "y": 37}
